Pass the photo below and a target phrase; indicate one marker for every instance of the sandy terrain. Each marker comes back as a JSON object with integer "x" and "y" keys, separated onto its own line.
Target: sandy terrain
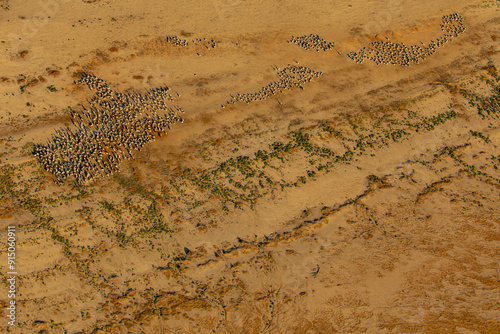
{"x": 364, "y": 199}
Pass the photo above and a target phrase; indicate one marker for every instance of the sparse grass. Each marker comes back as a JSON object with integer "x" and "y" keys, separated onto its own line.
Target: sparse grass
{"x": 134, "y": 186}
{"x": 110, "y": 208}
{"x": 247, "y": 180}
{"x": 237, "y": 182}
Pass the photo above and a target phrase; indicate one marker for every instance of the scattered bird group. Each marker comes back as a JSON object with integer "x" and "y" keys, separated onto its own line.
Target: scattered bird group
{"x": 108, "y": 131}
{"x": 207, "y": 43}
{"x": 291, "y": 76}
{"x": 452, "y": 25}
{"x": 312, "y": 42}
{"x": 382, "y": 52}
